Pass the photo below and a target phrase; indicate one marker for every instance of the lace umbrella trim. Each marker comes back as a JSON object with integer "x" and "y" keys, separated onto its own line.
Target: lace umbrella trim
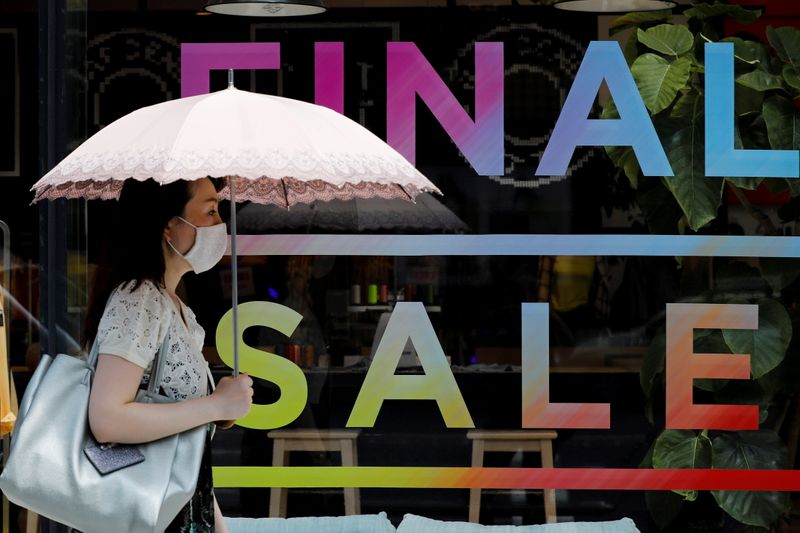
{"x": 284, "y": 192}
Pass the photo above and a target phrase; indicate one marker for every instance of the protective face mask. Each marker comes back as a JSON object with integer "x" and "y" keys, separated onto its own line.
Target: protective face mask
{"x": 210, "y": 243}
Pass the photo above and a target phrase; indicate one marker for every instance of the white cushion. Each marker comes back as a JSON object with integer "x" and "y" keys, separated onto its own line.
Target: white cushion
{"x": 419, "y": 524}
{"x": 376, "y": 523}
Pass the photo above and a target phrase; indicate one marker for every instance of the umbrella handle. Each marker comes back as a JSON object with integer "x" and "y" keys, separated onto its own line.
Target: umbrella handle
{"x": 234, "y": 277}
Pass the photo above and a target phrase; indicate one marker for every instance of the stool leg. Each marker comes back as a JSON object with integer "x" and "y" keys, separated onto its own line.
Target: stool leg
{"x": 350, "y": 493}
{"x": 549, "y": 494}
{"x": 31, "y": 522}
{"x": 475, "y": 494}
{"x": 277, "y": 495}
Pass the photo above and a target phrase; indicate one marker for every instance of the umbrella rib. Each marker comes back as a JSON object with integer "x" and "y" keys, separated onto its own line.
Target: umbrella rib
{"x": 413, "y": 200}
{"x": 285, "y": 192}
{"x": 179, "y": 136}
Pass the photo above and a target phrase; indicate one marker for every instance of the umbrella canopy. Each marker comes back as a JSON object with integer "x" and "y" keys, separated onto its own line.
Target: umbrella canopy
{"x": 273, "y": 150}
{"x": 427, "y": 215}
{"x": 286, "y": 152}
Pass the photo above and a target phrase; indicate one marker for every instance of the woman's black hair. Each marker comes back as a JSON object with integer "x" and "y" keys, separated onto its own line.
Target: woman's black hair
{"x": 133, "y": 252}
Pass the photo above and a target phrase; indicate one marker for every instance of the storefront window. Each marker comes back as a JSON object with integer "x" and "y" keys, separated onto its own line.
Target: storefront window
{"x": 519, "y": 321}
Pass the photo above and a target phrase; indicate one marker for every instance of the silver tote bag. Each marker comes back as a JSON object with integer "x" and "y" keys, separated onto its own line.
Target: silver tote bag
{"x": 49, "y": 473}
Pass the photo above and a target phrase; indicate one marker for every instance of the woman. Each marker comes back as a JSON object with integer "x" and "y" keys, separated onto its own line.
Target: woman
{"x": 163, "y": 233}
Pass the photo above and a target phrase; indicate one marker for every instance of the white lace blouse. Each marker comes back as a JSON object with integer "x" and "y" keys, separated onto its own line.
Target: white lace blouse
{"x": 133, "y": 327}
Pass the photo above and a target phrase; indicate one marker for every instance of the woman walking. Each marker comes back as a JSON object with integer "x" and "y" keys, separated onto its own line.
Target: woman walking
{"x": 164, "y": 232}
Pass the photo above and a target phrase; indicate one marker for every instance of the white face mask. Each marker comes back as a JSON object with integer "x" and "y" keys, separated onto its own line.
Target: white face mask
{"x": 210, "y": 243}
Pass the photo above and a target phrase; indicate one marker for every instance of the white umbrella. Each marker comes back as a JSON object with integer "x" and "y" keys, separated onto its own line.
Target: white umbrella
{"x": 272, "y": 150}
{"x": 288, "y": 151}
{"x": 426, "y": 214}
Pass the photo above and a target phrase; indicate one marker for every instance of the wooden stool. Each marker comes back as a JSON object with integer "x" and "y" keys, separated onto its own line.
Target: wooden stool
{"x": 311, "y": 440}
{"x": 512, "y": 441}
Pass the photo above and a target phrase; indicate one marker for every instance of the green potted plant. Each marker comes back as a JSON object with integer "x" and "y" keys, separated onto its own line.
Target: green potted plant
{"x": 666, "y": 60}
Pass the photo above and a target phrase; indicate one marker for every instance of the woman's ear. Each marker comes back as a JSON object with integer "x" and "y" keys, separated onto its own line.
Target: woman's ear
{"x": 168, "y": 231}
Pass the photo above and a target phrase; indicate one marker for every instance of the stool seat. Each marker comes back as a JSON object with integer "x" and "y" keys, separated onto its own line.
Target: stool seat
{"x": 511, "y": 435}
{"x": 311, "y": 434}
{"x": 313, "y": 440}
{"x": 512, "y": 441}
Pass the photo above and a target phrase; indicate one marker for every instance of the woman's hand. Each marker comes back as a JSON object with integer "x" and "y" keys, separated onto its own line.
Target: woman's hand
{"x": 233, "y": 397}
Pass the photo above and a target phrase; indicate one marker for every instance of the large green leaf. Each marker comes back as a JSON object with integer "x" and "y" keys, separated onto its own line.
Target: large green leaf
{"x": 786, "y": 376}
{"x": 609, "y": 109}
{"x": 767, "y": 344}
{"x": 698, "y": 53}
{"x": 750, "y": 184}
{"x": 762, "y": 450}
{"x": 682, "y": 449}
{"x": 758, "y": 80}
{"x": 669, "y": 39}
{"x": 717, "y": 9}
{"x": 783, "y": 123}
{"x": 748, "y": 450}
{"x": 659, "y": 80}
{"x": 639, "y": 18}
{"x": 698, "y": 196}
{"x": 622, "y": 156}
{"x": 786, "y": 41}
{"x": 783, "y": 129}
{"x": 738, "y": 143}
{"x": 664, "y": 506}
{"x": 753, "y": 133}
{"x": 791, "y": 77}
{"x": 747, "y": 101}
{"x": 710, "y": 342}
{"x": 647, "y": 460}
{"x": 746, "y": 392}
{"x": 688, "y": 106}
{"x": 750, "y": 52}
{"x": 659, "y": 206}
{"x": 630, "y": 165}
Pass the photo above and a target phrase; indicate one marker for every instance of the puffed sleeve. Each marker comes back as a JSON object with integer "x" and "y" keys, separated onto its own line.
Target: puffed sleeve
{"x": 132, "y": 326}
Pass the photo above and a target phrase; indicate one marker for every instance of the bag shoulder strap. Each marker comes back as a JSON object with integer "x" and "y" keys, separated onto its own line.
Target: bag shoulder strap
{"x": 157, "y": 368}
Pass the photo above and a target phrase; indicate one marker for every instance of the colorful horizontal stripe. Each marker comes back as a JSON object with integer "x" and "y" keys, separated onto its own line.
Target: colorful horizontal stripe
{"x": 410, "y": 477}
{"x": 521, "y": 245}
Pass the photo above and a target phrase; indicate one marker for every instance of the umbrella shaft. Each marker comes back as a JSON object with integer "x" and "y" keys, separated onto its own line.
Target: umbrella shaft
{"x": 234, "y": 278}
